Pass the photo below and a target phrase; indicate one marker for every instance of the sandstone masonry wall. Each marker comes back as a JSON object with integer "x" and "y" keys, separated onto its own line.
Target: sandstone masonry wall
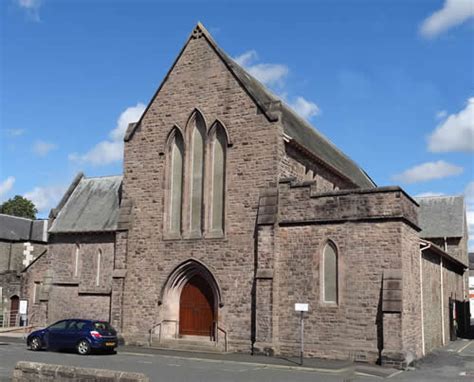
{"x": 198, "y": 80}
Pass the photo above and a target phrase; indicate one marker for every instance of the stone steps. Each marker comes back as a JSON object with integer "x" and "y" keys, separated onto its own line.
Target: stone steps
{"x": 200, "y": 346}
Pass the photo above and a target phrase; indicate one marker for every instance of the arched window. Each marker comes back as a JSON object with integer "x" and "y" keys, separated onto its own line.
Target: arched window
{"x": 329, "y": 274}
{"x": 218, "y": 149}
{"x": 197, "y": 173}
{"x": 176, "y": 182}
{"x": 99, "y": 260}
{"x": 76, "y": 260}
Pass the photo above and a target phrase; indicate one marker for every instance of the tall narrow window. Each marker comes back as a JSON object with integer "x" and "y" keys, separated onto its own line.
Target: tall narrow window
{"x": 176, "y": 186}
{"x": 197, "y": 169}
{"x": 76, "y": 260}
{"x": 330, "y": 274}
{"x": 97, "y": 276}
{"x": 218, "y": 179}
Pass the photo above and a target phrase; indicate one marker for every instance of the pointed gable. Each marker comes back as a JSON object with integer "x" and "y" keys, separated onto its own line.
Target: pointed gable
{"x": 295, "y": 127}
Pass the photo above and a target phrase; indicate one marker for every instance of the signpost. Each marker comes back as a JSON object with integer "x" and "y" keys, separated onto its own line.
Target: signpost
{"x": 23, "y": 312}
{"x": 301, "y": 308}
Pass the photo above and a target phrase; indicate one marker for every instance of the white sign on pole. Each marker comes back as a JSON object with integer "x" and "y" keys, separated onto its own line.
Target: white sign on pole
{"x": 23, "y": 307}
{"x": 301, "y": 307}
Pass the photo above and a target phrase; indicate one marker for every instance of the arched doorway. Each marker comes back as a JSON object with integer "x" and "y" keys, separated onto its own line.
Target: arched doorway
{"x": 196, "y": 308}
{"x": 189, "y": 302}
{"x": 14, "y": 307}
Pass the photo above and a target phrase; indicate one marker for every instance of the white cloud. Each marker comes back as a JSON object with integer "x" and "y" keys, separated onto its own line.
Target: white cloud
{"x": 14, "y": 132}
{"x": 305, "y": 108}
{"x": 31, "y": 7}
{"x": 455, "y": 133}
{"x": 428, "y": 194}
{"x": 275, "y": 74}
{"x": 45, "y": 198}
{"x": 428, "y": 171}
{"x": 111, "y": 150}
{"x": 453, "y": 13}
{"x": 6, "y": 185}
{"x": 42, "y": 148}
{"x": 268, "y": 74}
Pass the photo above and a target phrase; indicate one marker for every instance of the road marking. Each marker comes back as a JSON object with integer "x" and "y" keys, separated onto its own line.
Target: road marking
{"x": 394, "y": 374}
{"x": 465, "y": 346}
{"x": 139, "y": 354}
{"x": 256, "y": 364}
{"x": 147, "y": 362}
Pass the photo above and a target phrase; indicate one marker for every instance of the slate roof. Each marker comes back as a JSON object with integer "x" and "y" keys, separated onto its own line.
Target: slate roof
{"x": 13, "y": 228}
{"x": 92, "y": 206}
{"x": 441, "y": 216}
{"x": 294, "y": 126}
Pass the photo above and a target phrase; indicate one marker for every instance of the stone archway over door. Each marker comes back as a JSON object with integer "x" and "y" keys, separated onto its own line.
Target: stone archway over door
{"x": 197, "y": 308}
{"x": 14, "y": 308}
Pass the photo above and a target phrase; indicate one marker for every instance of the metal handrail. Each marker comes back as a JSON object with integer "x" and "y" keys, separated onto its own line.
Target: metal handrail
{"x": 159, "y": 324}
{"x": 217, "y": 328}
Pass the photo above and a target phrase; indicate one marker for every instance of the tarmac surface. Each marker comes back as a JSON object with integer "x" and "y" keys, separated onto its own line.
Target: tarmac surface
{"x": 454, "y": 362}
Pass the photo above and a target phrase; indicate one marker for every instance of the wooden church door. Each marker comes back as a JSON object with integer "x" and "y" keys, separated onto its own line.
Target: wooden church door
{"x": 196, "y": 308}
{"x": 14, "y": 306}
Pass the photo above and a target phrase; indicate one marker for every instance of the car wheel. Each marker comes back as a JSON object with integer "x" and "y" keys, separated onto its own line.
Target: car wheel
{"x": 83, "y": 347}
{"x": 35, "y": 344}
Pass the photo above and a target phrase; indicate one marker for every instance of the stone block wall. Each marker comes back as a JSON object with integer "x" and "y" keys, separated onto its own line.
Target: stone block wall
{"x": 295, "y": 164}
{"x": 36, "y": 371}
{"x": 375, "y": 233}
{"x": 199, "y": 80}
{"x": 435, "y": 307}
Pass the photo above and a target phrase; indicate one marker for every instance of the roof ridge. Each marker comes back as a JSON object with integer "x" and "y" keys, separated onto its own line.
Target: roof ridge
{"x": 103, "y": 176}
{"x": 19, "y": 217}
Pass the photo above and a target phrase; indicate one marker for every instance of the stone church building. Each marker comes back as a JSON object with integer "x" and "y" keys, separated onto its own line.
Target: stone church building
{"x": 230, "y": 210}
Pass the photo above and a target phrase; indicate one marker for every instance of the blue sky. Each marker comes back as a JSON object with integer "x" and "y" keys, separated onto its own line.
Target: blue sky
{"x": 389, "y": 82}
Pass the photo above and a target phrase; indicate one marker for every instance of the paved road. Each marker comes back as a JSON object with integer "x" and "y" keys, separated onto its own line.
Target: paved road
{"x": 452, "y": 363}
{"x": 160, "y": 367}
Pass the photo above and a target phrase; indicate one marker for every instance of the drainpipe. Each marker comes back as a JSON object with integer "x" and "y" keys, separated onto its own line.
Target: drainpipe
{"x": 445, "y": 244}
{"x": 421, "y": 300}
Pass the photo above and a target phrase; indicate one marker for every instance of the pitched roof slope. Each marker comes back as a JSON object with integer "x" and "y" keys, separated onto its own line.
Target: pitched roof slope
{"x": 14, "y": 228}
{"x": 294, "y": 126}
{"x": 441, "y": 216}
{"x": 92, "y": 206}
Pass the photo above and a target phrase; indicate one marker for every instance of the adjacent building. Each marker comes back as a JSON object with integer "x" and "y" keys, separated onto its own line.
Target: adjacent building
{"x": 22, "y": 241}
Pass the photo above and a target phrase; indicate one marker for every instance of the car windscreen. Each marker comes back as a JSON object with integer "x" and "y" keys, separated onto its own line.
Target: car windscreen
{"x": 104, "y": 328}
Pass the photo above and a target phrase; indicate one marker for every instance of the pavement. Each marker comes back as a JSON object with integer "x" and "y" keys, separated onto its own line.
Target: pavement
{"x": 454, "y": 362}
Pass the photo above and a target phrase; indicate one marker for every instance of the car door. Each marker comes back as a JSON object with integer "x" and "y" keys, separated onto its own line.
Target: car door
{"x": 74, "y": 332}
{"x": 56, "y": 334}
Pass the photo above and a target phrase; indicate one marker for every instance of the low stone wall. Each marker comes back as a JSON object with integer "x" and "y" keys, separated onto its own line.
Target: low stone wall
{"x": 35, "y": 371}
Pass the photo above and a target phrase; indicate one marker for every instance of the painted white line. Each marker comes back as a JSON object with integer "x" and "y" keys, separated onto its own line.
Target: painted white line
{"x": 465, "y": 346}
{"x": 368, "y": 375}
{"x": 256, "y": 364}
{"x": 139, "y": 354}
{"x": 396, "y": 373}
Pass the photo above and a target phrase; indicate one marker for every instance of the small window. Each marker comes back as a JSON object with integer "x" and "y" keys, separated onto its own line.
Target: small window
{"x": 99, "y": 259}
{"x": 329, "y": 275}
{"x": 76, "y": 260}
{"x": 36, "y": 292}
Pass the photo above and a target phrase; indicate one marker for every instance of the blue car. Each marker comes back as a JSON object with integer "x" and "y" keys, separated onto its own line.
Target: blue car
{"x": 75, "y": 334}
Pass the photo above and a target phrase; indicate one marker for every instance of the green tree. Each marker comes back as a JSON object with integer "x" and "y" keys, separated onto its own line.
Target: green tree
{"x": 19, "y": 206}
